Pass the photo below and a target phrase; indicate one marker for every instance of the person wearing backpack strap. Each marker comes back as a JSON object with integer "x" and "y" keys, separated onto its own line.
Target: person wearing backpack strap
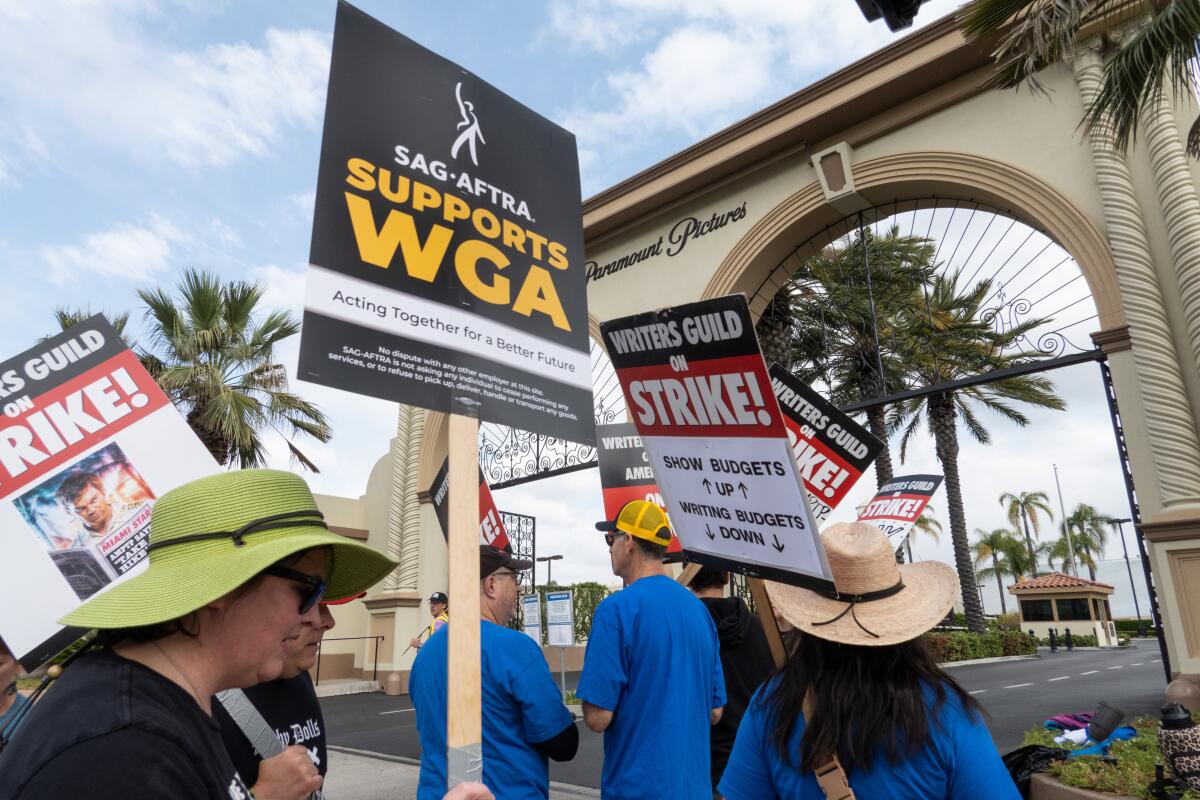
{"x": 860, "y": 709}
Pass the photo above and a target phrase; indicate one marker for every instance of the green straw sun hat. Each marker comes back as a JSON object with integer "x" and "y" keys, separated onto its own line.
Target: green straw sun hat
{"x": 212, "y": 535}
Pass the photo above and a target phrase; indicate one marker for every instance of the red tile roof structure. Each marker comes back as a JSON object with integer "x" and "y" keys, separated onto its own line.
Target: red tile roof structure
{"x": 1057, "y": 580}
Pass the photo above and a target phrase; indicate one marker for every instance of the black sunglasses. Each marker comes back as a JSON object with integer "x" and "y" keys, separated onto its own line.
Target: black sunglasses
{"x": 316, "y": 585}
{"x": 609, "y": 538}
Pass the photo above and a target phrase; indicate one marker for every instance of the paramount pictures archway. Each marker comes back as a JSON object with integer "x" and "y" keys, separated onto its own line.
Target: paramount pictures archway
{"x": 911, "y": 124}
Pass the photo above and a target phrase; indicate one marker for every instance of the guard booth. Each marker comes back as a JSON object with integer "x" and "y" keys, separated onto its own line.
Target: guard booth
{"x": 1064, "y": 601}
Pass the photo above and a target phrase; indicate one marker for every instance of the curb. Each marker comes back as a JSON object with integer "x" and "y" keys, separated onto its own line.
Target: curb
{"x": 565, "y": 791}
{"x": 354, "y": 751}
{"x": 993, "y": 660}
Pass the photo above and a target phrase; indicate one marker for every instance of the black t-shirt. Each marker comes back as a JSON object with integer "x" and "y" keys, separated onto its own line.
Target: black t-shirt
{"x": 112, "y": 728}
{"x": 746, "y": 661}
{"x": 290, "y": 706}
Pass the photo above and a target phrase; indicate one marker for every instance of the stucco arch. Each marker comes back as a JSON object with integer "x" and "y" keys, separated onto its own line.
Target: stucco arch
{"x": 943, "y": 174}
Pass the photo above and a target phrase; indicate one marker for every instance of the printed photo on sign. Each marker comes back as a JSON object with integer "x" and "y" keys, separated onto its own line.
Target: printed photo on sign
{"x": 93, "y": 518}
{"x": 447, "y": 266}
{"x": 832, "y": 450}
{"x": 898, "y": 504}
{"x": 87, "y": 442}
{"x": 491, "y": 524}
{"x": 699, "y": 394}
{"x": 626, "y": 474}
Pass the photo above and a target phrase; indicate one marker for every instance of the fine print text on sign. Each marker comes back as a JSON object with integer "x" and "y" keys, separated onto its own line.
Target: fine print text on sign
{"x": 446, "y": 268}
{"x": 898, "y": 504}
{"x": 491, "y": 525}
{"x": 87, "y": 443}
{"x": 560, "y": 619}
{"x": 626, "y": 474}
{"x": 698, "y": 391}
{"x": 531, "y": 616}
{"x": 831, "y": 449}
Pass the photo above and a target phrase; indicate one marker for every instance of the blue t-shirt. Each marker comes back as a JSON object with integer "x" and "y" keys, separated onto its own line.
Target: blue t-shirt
{"x": 653, "y": 659}
{"x": 521, "y": 706}
{"x": 960, "y": 761}
{"x": 9, "y": 718}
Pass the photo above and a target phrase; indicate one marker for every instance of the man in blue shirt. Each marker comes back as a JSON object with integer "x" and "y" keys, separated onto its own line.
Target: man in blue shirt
{"x": 524, "y": 719}
{"x": 652, "y": 680}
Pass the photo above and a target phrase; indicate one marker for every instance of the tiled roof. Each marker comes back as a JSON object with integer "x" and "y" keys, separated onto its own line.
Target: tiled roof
{"x": 1057, "y": 580}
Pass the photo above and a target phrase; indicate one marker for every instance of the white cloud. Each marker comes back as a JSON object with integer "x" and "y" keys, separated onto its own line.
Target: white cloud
{"x": 91, "y": 72}
{"x": 282, "y": 288}
{"x": 131, "y": 251}
{"x": 706, "y": 63}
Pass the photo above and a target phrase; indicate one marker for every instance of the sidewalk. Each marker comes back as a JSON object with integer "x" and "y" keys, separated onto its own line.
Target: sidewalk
{"x": 361, "y": 776}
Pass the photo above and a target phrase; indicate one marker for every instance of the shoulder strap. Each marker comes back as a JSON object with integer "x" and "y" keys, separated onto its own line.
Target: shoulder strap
{"x": 252, "y": 724}
{"x": 832, "y": 779}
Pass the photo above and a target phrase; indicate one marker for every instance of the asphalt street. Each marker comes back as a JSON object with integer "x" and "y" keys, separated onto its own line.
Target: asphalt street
{"x": 1016, "y": 695}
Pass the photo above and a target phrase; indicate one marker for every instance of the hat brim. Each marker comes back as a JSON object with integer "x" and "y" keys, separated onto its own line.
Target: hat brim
{"x": 606, "y": 525}
{"x": 927, "y": 597}
{"x": 176, "y": 584}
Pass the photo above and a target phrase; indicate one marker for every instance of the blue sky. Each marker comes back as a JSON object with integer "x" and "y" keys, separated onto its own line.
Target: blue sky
{"x": 141, "y": 137}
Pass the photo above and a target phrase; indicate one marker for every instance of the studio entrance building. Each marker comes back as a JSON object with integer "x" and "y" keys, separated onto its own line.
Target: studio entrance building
{"x": 1104, "y": 244}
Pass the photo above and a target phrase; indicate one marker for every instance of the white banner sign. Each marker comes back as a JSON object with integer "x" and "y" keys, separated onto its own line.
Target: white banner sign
{"x": 560, "y": 619}
{"x": 531, "y": 615}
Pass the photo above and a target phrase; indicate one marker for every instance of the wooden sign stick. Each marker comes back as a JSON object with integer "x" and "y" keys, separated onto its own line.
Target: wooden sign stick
{"x": 766, "y": 613}
{"x": 464, "y": 734}
{"x": 689, "y": 571}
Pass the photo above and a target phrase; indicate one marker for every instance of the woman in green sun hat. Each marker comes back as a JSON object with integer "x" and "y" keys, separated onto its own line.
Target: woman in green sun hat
{"x": 238, "y": 564}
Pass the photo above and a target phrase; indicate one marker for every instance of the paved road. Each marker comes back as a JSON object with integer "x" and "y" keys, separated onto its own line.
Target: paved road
{"x": 1020, "y": 694}
{"x": 1016, "y": 694}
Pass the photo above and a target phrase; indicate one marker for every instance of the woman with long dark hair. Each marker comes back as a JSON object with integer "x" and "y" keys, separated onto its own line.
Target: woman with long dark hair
{"x": 861, "y": 709}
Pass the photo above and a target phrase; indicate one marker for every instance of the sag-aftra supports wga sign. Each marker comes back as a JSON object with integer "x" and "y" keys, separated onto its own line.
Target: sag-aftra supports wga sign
{"x": 447, "y": 265}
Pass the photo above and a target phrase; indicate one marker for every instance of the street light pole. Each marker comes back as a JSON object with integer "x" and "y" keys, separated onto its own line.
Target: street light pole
{"x": 1120, "y": 525}
{"x": 1066, "y": 528}
{"x": 548, "y": 560}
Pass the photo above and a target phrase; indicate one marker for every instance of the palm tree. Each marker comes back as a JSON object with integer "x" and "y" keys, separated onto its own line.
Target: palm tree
{"x": 999, "y": 546}
{"x": 955, "y": 338}
{"x": 1025, "y": 506}
{"x": 925, "y": 524}
{"x": 218, "y": 367}
{"x": 1060, "y": 550}
{"x": 822, "y": 326}
{"x": 1089, "y": 535}
{"x": 1035, "y": 34}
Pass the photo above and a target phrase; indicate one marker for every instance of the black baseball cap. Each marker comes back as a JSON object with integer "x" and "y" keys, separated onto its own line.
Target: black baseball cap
{"x": 439, "y": 597}
{"x": 493, "y": 558}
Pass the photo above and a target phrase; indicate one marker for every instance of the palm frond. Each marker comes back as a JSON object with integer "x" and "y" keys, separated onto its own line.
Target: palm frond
{"x": 1164, "y": 52}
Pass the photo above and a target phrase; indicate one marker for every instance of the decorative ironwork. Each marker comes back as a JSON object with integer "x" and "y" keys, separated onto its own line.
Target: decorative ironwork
{"x": 1032, "y": 288}
{"x": 509, "y": 456}
{"x": 522, "y": 537}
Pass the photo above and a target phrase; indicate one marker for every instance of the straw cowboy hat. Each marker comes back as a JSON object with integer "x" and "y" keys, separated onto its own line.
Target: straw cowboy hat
{"x": 212, "y": 535}
{"x": 876, "y": 601}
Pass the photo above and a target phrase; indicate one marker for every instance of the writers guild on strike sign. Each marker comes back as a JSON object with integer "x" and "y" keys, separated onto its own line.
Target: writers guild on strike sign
{"x": 701, "y": 400}
{"x": 87, "y": 442}
{"x": 832, "y": 450}
{"x": 626, "y": 474}
{"x": 447, "y": 267}
{"x": 899, "y": 503}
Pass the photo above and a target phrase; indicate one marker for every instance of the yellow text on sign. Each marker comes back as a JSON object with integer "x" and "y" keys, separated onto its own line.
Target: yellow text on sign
{"x": 477, "y": 262}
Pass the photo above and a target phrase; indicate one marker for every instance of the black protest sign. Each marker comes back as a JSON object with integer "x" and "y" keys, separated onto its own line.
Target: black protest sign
{"x": 491, "y": 524}
{"x": 698, "y": 392}
{"x": 831, "y": 449}
{"x": 446, "y": 268}
{"x": 898, "y": 504}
